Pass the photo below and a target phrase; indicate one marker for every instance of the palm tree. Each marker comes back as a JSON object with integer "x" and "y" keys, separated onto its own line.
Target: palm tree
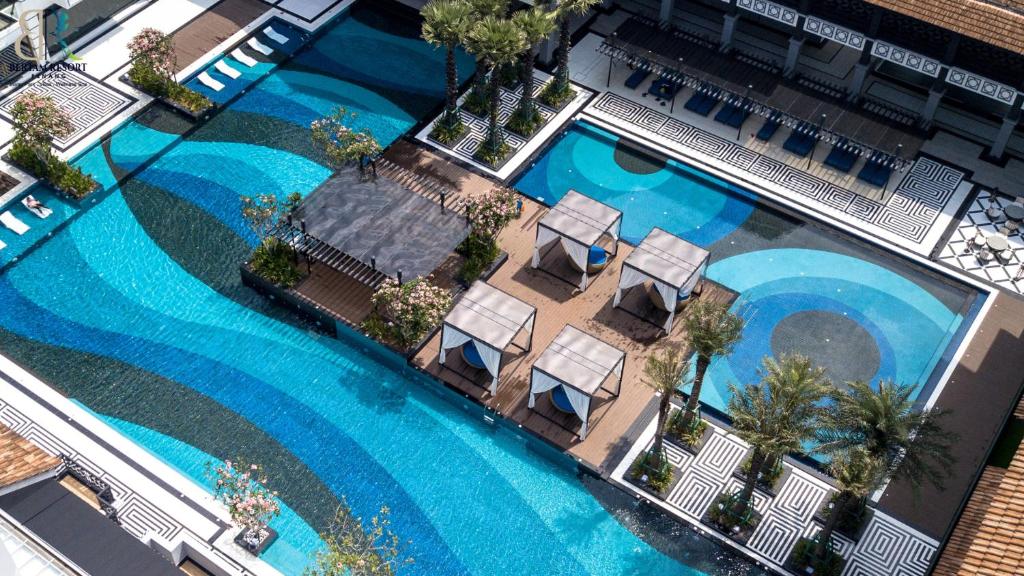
{"x": 497, "y": 42}
{"x": 663, "y": 373}
{"x": 480, "y": 10}
{"x": 536, "y": 24}
{"x": 857, "y": 473}
{"x": 446, "y": 23}
{"x": 909, "y": 441}
{"x": 566, "y": 10}
{"x": 777, "y": 415}
{"x": 712, "y": 331}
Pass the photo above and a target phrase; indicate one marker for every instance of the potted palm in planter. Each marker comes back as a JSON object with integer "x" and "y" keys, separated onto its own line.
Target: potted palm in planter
{"x": 559, "y": 92}
{"x": 662, "y": 372}
{"x": 497, "y": 41}
{"x": 446, "y": 23}
{"x": 241, "y": 487}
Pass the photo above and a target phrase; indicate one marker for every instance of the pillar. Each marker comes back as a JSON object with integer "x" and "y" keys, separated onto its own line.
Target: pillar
{"x": 665, "y": 14}
{"x": 935, "y": 94}
{"x": 792, "y": 56}
{"x": 1010, "y": 122}
{"x": 860, "y": 73}
{"x": 546, "y": 51}
{"x": 728, "y": 29}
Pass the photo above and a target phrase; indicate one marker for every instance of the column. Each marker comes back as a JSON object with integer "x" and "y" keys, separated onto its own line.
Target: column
{"x": 935, "y": 94}
{"x": 546, "y": 52}
{"x": 860, "y": 73}
{"x": 793, "y": 55}
{"x": 727, "y": 31}
{"x": 1010, "y": 122}
{"x": 665, "y": 15}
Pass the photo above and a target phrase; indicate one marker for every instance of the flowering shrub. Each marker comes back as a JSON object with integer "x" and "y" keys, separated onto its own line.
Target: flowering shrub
{"x": 410, "y": 310}
{"x": 261, "y": 213}
{"x": 242, "y": 488}
{"x": 340, "y": 142}
{"x": 353, "y": 549}
{"x": 38, "y": 121}
{"x": 273, "y": 259}
{"x": 490, "y": 214}
{"x": 152, "y": 50}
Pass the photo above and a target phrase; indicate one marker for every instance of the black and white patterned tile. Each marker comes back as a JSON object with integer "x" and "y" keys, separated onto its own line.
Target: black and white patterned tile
{"x": 88, "y": 102}
{"x": 910, "y": 213}
{"x": 958, "y": 252}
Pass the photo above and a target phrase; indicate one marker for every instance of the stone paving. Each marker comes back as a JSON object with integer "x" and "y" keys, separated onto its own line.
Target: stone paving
{"x": 957, "y": 252}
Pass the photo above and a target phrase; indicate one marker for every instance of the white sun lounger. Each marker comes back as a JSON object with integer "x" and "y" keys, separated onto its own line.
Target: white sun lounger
{"x": 260, "y": 47}
{"x": 226, "y": 70}
{"x": 2, "y": 245}
{"x": 243, "y": 58}
{"x": 213, "y": 84}
{"x": 275, "y": 35}
{"x": 11, "y": 221}
{"x": 42, "y": 211}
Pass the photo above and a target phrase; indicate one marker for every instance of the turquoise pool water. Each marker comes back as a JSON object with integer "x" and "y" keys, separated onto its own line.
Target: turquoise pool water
{"x": 135, "y": 309}
{"x": 860, "y": 313}
{"x": 16, "y": 245}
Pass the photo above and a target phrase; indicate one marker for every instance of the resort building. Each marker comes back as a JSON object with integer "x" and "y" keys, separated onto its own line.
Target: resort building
{"x": 618, "y": 287}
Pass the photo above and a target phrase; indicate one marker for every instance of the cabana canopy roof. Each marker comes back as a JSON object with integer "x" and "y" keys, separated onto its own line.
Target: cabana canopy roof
{"x": 579, "y": 360}
{"x": 489, "y": 315}
{"x": 668, "y": 258}
{"x": 582, "y": 219}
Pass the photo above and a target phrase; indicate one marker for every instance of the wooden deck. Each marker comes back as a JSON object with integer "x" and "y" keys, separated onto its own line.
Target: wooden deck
{"x": 339, "y": 294}
{"x": 615, "y": 422}
{"x": 214, "y": 26}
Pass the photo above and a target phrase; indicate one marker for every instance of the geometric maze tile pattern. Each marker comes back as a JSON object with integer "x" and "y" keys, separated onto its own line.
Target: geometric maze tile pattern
{"x": 887, "y": 546}
{"x": 135, "y": 514}
{"x": 88, "y": 102}
{"x": 909, "y": 213}
{"x": 509, "y": 101}
{"x": 956, "y": 252}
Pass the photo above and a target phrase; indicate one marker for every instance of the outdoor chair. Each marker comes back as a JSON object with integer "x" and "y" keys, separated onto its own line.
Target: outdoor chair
{"x": 701, "y": 103}
{"x": 801, "y": 140}
{"x": 732, "y": 115}
{"x": 768, "y": 129}
{"x": 985, "y": 255}
{"x": 637, "y": 78}
{"x": 875, "y": 172}
{"x": 1005, "y": 256}
{"x": 994, "y": 212}
{"x": 842, "y": 157}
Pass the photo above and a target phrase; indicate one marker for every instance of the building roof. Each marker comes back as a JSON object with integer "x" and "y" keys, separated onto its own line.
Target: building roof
{"x": 989, "y": 537}
{"x": 20, "y": 459}
{"x": 490, "y": 315}
{"x": 82, "y": 534}
{"x": 581, "y": 218}
{"x": 21, "y": 552}
{"x": 998, "y": 23}
{"x": 579, "y": 359}
{"x": 668, "y": 258}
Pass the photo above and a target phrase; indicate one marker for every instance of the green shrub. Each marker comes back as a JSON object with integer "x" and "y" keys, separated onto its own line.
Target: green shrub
{"x": 769, "y": 474}
{"x": 690, "y": 436}
{"x": 478, "y": 101}
{"x": 803, "y": 556}
{"x": 490, "y": 155}
{"x": 480, "y": 252}
{"x": 447, "y": 132}
{"x": 156, "y": 85}
{"x": 721, "y": 513}
{"x": 273, "y": 260}
{"x": 69, "y": 179}
{"x": 658, "y": 471}
{"x": 552, "y": 96}
{"x": 524, "y": 126}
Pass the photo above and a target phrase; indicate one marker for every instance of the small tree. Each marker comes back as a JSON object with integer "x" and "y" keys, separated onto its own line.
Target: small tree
{"x": 663, "y": 372}
{"x": 152, "y": 54}
{"x": 536, "y": 24}
{"x": 341, "y": 143}
{"x": 776, "y": 416}
{"x": 712, "y": 330}
{"x": 446, "y": 23}
{"x": 411, "y": 309}
{"x": 272, "y": 259}
{"x": 559, "y": 89}
{"x": 857, "y": 473}
{"x": 38, "y": 121}
{"x": 262, "y": 214}
{"x": 241, "y": 487}
{"x": 352, "y": 549}
{"x": 498, "y": 42}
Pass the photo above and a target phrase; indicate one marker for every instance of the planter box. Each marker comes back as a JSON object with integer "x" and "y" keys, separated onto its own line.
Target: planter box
{"x": 96, "y": 185}
{"x": 193, "y": 116}
{"x": 263, "y": 544}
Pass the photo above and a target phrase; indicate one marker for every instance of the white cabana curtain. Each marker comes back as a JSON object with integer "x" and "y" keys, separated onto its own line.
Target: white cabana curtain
{"x": 544, "y": 237}
{"x": 451, "y": 338}
{"x": 541, "y": 384}
{"x": 668, "y": 294}
{"x": 578, "y": 253}
{"x": 692, "y": 281}
{"x": 630, "y": 277}
{"x": 581, "y": 405}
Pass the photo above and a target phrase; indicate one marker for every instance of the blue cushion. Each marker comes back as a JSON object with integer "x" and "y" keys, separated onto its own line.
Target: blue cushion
{"x": 597, "y": 256}
{"x": 636, "y": 78}
{"x": 560, "y": 399}
{"x": 471, "y": 355}
{"x": 767, "y": 130}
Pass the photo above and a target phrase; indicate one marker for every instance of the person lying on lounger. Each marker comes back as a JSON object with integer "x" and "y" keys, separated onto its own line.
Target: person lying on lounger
{"x": 33, "y": 204}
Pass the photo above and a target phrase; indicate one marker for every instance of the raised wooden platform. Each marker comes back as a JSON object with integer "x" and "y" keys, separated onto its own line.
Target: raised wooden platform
{"x": 615, "y": 422}
{"x": 214, "y": 26}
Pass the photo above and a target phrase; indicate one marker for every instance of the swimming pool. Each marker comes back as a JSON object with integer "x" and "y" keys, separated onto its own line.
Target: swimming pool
{"x": 135, "y": 310}
{"x": 859, "y": 313}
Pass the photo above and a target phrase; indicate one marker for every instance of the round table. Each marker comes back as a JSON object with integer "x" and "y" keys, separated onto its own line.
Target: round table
{"x": 1014, "y": 212}
{"x": 997, "y": 242}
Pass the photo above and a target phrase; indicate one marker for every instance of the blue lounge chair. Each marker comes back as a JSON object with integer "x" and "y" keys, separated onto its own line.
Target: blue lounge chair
{"x": 875, "y": 172}
{"x": 597, "y": 259}
{"x": 637, "y": 78}
{"x": 768, "y": 129}
{"x": 702, "y": 103}
{"x": 841, "y": 157}
{"x": 802, "y": 140}
{"x": 561, "y": 400}
{"x": 732, "y": 115}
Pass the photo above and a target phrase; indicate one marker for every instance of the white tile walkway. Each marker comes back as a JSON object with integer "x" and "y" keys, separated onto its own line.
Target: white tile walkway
{"x": 957, "y": 253}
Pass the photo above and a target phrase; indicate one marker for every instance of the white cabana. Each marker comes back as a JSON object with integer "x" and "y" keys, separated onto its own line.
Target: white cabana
{"x": 580, "y": 364}
{"x": 672, "y": 264}
{"x": 579, "y": 222}
{"x": 491, "y": 319}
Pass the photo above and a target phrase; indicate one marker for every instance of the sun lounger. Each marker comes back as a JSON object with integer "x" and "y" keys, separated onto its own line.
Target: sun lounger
{"x": 802, "y": 140}
{"x": 226, "y": 70}
{"x": 874, "y": 172}
{"x": 40, "y": 211}
{"x": 2, "y": 245}
{"x": 768, "y": 129}
{"x": 275, "y": 35}
{"x": 636, "y": 78}
{"x": 13, "y": 224}
{"x": 243, "y": 58}
{"x": 210, "y": 82}
{"x": 732, "y": 115}
{"x": 260, "y": 47}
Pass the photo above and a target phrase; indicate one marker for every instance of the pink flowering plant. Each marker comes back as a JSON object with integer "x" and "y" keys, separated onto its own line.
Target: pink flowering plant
{"x": 408, "y": 311}
{"x": 153, "y": 51}
{"x": 38, "y": 121}
{"x": 353, "y": 547}
{"x": 241, "y": 487}
{"x": 489, "y": 214}
{"x": 342, "y": 144}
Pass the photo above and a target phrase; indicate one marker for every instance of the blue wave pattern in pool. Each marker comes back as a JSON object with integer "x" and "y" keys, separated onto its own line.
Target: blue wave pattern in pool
{"x": 471, "y": 498}
{"x": 796, "y": 283}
